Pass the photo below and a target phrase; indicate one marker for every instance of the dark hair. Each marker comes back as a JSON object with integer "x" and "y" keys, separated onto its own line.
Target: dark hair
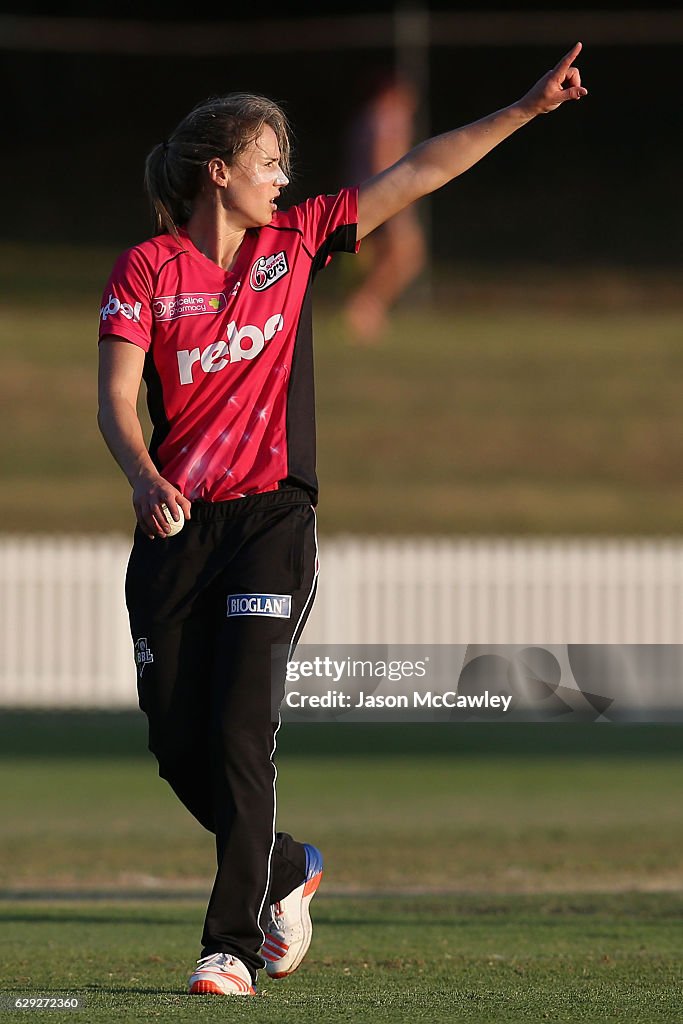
{"x": 224, "y": 127}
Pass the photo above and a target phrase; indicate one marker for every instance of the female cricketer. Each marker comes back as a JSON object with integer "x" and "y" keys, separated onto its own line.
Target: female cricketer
{"x": 214, "y": 312}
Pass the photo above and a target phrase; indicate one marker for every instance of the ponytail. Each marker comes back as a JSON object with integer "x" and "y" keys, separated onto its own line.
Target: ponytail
{"x": 168, "y": 208}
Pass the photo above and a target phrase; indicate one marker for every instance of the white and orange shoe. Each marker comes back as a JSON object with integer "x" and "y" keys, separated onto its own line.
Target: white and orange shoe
{"x": 221, "y": 974}
{"x": 290, "y": 929}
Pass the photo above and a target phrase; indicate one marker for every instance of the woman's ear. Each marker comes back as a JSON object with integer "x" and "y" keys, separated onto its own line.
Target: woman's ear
{"x": 219, "y": 172}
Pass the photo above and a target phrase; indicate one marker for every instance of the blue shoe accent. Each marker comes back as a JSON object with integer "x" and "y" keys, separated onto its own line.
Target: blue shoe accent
{"x": 290, "y": 928}
{"x": 314, "y": 861}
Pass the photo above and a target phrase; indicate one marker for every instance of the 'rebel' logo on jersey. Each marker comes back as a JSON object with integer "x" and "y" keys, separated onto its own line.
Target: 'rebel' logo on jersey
{"x": 115, "y": 306}
{"x": 242, "y": 343}
{"x": 277, "y": 606}
{"x": 267, "y": 270}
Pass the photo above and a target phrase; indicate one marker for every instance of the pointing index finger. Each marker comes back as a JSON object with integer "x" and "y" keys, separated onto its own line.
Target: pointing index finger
{"x": 566, "y": 61}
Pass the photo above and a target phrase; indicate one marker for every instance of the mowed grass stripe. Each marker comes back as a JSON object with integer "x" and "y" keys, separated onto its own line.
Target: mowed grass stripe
{"x": 496, "y": 959}
{"x": 493, "y": 809}
{"x": 500, "y": 824}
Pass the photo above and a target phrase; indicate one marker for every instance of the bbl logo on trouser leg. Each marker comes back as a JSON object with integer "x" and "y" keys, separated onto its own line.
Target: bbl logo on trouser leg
{"x": 143, "y": 655}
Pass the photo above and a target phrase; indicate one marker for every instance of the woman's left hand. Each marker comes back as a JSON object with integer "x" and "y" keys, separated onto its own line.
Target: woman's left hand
{"x": 556, "y": 87}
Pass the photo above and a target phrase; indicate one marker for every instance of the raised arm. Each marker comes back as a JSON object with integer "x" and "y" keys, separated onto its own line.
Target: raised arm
{"x": 120, "y": 373}
{"x": 442, "y": 158}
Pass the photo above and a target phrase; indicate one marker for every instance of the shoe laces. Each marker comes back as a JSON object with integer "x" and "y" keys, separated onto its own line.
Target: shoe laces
{"x": 276, "y": 919}
{"x": 221, "y": 960}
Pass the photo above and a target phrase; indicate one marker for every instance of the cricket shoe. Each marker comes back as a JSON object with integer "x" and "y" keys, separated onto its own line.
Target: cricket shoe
{"x": 289, "y": 930}
{"x": 221, "y": 974}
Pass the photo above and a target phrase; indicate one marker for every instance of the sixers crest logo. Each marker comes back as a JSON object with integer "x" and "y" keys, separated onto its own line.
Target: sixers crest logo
{"x": 267, "y": 270}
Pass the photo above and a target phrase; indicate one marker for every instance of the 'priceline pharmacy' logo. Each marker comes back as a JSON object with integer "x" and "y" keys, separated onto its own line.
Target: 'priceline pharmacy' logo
{"x": 172, "y": 307}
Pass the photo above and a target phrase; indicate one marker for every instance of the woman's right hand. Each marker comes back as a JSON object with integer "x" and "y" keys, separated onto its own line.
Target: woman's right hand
{"x": 150, "y": 492}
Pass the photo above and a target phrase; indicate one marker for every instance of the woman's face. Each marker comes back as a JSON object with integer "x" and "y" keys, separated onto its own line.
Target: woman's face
{"x": 255, "y": 181}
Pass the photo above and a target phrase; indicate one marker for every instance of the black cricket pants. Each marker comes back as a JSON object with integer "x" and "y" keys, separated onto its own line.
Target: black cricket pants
{"x": 205, "y": 682}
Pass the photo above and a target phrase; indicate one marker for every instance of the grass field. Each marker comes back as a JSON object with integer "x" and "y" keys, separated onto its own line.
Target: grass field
{"x": 502, "y": 959}
{"x": 540, "y": 407}
{"x": 473, "y": 873}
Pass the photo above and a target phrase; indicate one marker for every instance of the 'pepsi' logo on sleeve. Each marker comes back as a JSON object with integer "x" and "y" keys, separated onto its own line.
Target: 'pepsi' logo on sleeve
{"x": 114, "y": 306}
{"x": 277, "y": 606}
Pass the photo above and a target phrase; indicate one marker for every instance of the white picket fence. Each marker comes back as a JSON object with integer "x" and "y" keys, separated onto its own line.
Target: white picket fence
{"x": 64, "y": 632}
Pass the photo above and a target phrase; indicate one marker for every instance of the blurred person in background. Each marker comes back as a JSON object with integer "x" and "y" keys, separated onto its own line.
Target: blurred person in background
{"x": 214, "y": 314}
{"x": 381, "y": 132}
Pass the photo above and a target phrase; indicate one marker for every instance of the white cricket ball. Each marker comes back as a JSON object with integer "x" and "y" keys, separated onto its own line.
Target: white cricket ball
{"x": 176, "y": 527}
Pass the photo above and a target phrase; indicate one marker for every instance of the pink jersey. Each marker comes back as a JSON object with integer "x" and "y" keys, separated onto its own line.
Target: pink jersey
{"x": 229, "y": 363}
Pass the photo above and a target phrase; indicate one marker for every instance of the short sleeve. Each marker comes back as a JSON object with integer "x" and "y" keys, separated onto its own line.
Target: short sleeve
{"x": 328, "y": 224}
{"x": 127, "y": 300}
